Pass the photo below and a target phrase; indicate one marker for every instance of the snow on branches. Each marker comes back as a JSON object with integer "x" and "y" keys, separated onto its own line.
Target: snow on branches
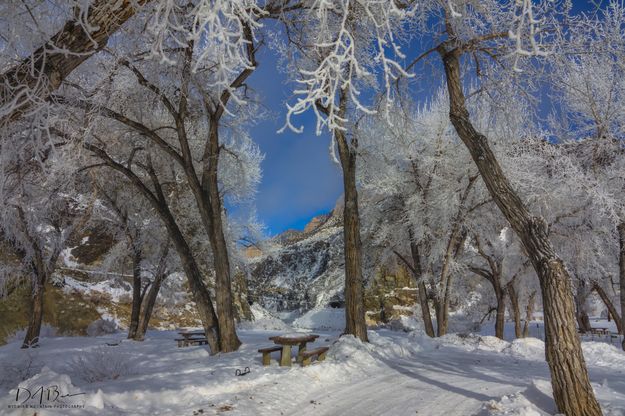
{"x": 220, "y": 29}
{"x": 350, "y": 41}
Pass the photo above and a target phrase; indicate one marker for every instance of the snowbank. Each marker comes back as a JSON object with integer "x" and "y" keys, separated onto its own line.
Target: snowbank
{"x": 101, "y": 327}
{"x": 535, "y": 400}
{"x": 50, "y": 393}
{"x": 329, "y": 319}
{"x": 603, "y": 355}
{"x": 263, "y": 319}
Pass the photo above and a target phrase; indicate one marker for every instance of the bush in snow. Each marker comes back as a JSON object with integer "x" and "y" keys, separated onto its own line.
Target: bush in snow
{"x": 102, "y": 363}
{"x": 101, "y": 327}
{"x": 21, "y": 368}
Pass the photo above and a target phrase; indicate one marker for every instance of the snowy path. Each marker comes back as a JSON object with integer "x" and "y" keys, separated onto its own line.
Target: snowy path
{"x": 450, "y": 382}
{"x": 424, "y": 386}
{"x": 397, "y": 374}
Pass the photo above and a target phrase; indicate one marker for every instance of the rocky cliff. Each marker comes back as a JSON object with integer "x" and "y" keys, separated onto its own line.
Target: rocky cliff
{"x": 305, "y": 269}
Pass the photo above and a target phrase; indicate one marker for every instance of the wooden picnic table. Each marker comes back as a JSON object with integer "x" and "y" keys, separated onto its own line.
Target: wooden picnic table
{"x": 191, "y": 337}
{"x": 288, "y": 340}
{"x": 599, "y": 330}
{"x": 189, "y": 334}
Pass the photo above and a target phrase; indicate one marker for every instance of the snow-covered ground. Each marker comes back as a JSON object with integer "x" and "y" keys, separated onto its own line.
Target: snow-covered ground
{"x": 398, "y": 373}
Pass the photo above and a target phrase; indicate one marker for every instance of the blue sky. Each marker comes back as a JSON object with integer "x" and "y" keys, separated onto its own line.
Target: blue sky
{"x": 300, "y": 180}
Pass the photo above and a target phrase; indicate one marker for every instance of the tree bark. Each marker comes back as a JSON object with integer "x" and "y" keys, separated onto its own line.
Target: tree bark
{"x": 621, "y": 268}
{"x": 441, "y": 318}
{"x": 529, "y": 313}
{"x": 136, "y": 293}
{"x": 149, "y": 300}
{"x": 417, "y": 272}
{"x": 572, "y": 391}
{"x": 581, "y": 315}
{"x": 354, "y": 287}
{"x": 516, "y": 310}
{"x": 442, "y": 305}
{"x": 38, "y": 75}
{"x": 611, "y": 308}
{"x": 148, "y": 306}
{"x": 501, "y": 314}
{"x": 199, "y": 292}
{"x": 223, "y": 280}
{"x": 426, "y": 314}
{"x": 36, "y": 314}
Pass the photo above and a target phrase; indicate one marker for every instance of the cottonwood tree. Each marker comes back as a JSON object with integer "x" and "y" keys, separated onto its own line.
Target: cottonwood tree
{"x": 491, "y": 253}
{"x": 50, "y": 40}
{"x": 150, "y": 180}
{"x": 572, "y": 390}
{"x": 185, "y": 125}
{"x": 416, "y": 167}
{"x": 330, "y": 68}
{"x": 205, "y": 89}
{"x": 44, "y": 42}
{"x": 38, "y": 216}
{"x": 588, "y": 80}
{"x": 596, "y": 240}
{"x": 141, "y": 238}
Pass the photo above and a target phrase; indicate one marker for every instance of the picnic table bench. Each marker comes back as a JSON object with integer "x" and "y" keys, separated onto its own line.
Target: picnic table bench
{"x": 284, "y": 344}
{"x": 191, "y": 338}
{"x": 599, "y": 331}
{"x": 320, "y": 353}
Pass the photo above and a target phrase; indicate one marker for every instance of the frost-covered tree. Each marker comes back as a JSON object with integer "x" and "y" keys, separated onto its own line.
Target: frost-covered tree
{"x": 192, "y": 126}
{"x": 39, "y": 214}
{"x": 43, "y": 42}
{"x": 195, "y": 122}
{"x": 424, "y": 192}
{"x": 588, "y": 74}
{"x": 332, "y": 70}
{"x": 488, "y": 32}
{"x": 141, "y": 239}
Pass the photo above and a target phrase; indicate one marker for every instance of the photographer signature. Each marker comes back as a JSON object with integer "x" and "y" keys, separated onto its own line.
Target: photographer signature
{"x": 42, "y": 394}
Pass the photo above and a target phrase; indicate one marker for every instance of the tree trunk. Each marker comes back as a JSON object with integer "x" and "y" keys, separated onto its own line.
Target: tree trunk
{"x": 572, "y": 391}
{"x": 199, "y": 292}
{"x": 516, "y": 310}
{"x": 621, "y": 275}
{"x": 421, "y": 289}
{"x": 148, "y": 307}
{"x": 425, "y": 309}
{"x": 494, "y": 278}
{"x": 442, "y": 305}
{"x": 354, "y": 288}
{"x": 45, "y": 69}
{"x": 501, "y": 314}
{"x": 150, "y": 299}
{"x": 136, "y": 293}
{"x": 581, "y": 315}
{"x": 611, "y": 308}
{"x": 201, "y": 295}
{"x": 583, "y": 321}
{"x": 224, "y": 300}
{"x": 454, "y": 247}
{"x": 441, "y": 318}
{"x": 529, "y": 313}
{"x": 36, "y": 314}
